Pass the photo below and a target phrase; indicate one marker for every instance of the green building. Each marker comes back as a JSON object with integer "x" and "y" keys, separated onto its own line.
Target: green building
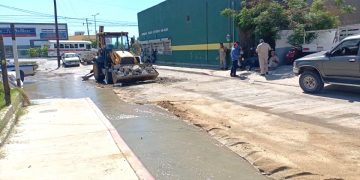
{"x": 187, "y": 31}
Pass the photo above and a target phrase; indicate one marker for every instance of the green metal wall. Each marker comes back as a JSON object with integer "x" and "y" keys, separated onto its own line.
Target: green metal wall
{"x": 188, "y": 22}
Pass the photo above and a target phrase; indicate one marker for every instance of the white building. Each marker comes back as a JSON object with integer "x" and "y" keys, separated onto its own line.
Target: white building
{"x": 31, "y": 35}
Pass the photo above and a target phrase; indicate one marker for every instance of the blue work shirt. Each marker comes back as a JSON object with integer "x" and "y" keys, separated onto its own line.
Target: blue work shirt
{"x": 235, "y": 54}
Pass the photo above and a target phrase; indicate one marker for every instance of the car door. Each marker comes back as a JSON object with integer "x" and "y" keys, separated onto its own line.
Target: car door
{"x": 344, "y": 60}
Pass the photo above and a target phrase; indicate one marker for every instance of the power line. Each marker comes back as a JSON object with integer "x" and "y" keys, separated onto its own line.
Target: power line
{"x": 44, "y": 15}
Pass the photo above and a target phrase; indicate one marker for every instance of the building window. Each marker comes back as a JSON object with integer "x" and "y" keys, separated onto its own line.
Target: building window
{"x": 162, "y": 48}
{"x": 167, "y": 48}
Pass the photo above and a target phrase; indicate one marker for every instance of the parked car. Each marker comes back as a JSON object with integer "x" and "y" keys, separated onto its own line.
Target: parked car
{"x": 293, "y": 54}
{"x": 341, "y": 66}
{"x": 25, "y": 69}
{"x": 70, "y": 59}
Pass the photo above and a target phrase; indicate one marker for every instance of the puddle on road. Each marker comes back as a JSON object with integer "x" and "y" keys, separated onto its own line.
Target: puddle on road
{"x": 43, "y": 86}
{"x": 143, "y": 127}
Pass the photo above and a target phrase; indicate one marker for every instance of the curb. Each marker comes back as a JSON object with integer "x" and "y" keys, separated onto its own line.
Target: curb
{"x": 10, "y": 118}
{"x": 133, "y": 160}
{"x": 207, "y": 74}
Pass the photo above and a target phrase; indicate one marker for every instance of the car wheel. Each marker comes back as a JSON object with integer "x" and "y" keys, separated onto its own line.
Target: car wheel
{"x": 311, "y": 82}
{"x": 99, "y": 77}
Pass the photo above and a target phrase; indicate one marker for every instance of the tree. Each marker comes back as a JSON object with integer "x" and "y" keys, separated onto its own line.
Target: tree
{"x": 317, "y": 16}
{"x": 259, "y": 20}
{"x": 265, "y": 18}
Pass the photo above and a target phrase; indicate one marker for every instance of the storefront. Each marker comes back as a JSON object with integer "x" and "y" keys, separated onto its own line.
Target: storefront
{"x": 30, "y": 35}
{"x": 187, "y": 32}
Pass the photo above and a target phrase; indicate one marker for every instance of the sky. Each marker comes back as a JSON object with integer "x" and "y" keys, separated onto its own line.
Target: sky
{"x": 115, "y": 15}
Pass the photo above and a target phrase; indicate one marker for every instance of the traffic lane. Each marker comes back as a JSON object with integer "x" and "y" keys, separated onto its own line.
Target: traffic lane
{"x": 167, "y": 146}
{"x": 172, "y": 149}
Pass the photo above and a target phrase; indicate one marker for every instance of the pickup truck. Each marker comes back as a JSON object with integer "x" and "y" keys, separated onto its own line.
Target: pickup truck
{"x": 25, "y": 70}
{"x": 340, "y": 66}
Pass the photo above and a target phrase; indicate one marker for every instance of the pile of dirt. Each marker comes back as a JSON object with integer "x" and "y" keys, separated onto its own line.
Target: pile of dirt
{"x": 280, "y": 146}
{"x": 220, "y": 130}
{"x": 169, "y": 80}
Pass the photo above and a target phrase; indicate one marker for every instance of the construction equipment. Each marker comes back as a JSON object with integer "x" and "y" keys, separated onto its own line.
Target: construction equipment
{"x": 116, "y": 64}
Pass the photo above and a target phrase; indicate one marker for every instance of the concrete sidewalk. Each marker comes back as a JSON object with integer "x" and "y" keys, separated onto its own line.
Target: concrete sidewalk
{"x": 283, "y": 75}
{"x": 67, "y": 139}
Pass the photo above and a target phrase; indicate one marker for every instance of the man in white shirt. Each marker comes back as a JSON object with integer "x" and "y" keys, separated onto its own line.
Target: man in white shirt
{"x": 273, "y": 61}
{"x": 263, "y": 52}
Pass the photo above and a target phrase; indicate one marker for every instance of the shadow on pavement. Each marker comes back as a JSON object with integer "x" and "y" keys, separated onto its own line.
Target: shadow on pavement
{"x": 282, "y": 72}
{"x": 351, "y": 94}
{"x": 196, "y": 66}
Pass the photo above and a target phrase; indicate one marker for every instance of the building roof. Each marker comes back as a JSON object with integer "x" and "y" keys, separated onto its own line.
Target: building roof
{"x": 73, "y": 41}
{"x": 82, "y": 38}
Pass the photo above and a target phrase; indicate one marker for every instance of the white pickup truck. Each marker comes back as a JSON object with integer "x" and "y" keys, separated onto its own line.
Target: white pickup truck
{"x": 328, "y": 39}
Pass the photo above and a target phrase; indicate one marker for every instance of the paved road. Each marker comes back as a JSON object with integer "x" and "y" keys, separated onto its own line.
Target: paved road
{"x": 270, "y": 122}
{"x": 167, "y": 146}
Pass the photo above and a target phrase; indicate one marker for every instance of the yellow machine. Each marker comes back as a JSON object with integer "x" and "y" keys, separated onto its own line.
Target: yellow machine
{"x": 116, "y": 64}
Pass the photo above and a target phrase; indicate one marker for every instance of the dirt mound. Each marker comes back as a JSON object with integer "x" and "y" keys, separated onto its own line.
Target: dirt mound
{"x": 169, "y": 80}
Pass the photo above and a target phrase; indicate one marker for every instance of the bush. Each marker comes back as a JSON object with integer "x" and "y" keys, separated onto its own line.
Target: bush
{"x": 38, "y": 52}
{"x": 44, "y": 51}
{"x": 32, "y": 52}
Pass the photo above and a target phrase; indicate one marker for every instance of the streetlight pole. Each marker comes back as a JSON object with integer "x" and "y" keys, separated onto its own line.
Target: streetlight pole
{"x": 95, "y": 26}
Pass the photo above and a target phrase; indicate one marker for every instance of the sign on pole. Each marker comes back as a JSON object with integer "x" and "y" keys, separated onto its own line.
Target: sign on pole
{"x": 4, "y": 73}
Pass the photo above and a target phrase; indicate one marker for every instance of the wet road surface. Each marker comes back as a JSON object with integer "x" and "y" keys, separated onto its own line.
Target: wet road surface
{"x": 168, "y": 147}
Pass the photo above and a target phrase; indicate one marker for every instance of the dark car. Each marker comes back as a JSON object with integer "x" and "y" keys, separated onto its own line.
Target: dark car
{"x": 341, "y": 66}
{"x": 293, "y": 54}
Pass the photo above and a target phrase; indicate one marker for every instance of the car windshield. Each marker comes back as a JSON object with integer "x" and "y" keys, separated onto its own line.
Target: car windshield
{"x": 70, "y": 55}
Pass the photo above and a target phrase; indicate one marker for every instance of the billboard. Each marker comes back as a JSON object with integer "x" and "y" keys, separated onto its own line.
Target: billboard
{"x": 20, "y": 32}
{"x": 49, "y": 34}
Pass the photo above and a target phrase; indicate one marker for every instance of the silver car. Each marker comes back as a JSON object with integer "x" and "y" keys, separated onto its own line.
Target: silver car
{"x": 341, "y": 66}
{"x": 70, "y": 59}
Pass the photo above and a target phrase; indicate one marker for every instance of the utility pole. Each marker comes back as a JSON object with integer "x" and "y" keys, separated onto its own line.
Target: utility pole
{"x": 95, "y": 26}
{"x": 15, "y": 54}
{"x": 57, "y": 35}
{"x": 4, "y": 73}
{"x": 87, "y": 26}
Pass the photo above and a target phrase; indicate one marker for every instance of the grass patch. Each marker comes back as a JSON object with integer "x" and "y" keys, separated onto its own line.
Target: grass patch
{"x": 14, "y": 92}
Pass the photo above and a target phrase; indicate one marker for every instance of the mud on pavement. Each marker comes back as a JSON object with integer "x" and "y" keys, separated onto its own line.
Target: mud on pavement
{"x": 280, "y": 146}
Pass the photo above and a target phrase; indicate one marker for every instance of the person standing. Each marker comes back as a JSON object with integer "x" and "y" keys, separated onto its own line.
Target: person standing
{"x": 263, "y": 52}
{"x": 154, "y": 55}
{"x": 235, "y": 55}
{"x": 222, "y": 56}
